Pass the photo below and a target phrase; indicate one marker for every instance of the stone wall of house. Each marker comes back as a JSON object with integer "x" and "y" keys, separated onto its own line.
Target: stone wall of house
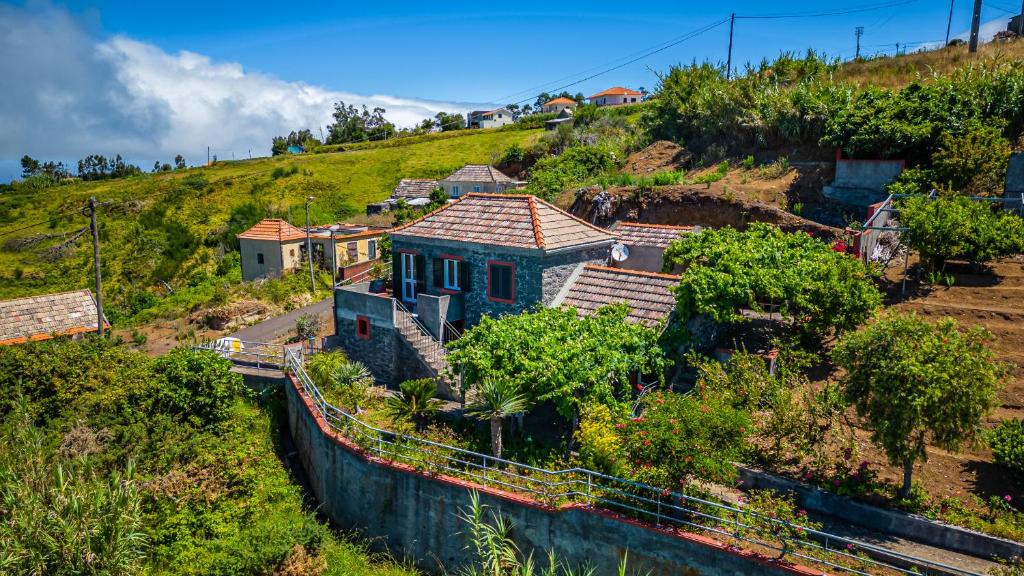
{"x": 558, "y": 268}
{"x": 379, "y": 352}
{"x": 537, "y": 278}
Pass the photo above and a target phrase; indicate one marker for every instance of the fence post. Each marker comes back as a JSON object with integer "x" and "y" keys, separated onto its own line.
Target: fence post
{"x": 485, "y": 471}
{"x": 589, "y": 480}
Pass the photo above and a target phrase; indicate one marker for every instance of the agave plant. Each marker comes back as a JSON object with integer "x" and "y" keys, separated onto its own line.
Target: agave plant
{"x": 495, "y": 400}
{"x": 352, "y": 380}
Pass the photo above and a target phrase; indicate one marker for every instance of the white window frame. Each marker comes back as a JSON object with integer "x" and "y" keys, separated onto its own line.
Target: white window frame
{"x": 408, "y": 277}
{"x": 455, "y": 191}
{"x": 452, "y": 274}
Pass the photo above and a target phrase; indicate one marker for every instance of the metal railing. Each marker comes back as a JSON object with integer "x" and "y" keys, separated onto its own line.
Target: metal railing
{"x": 661, "y": 506}
{"x": 429, "y": 348}
{"x": 260, "y": 355}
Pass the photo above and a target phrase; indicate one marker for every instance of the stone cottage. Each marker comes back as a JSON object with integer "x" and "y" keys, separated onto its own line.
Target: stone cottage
{"x": 483, "y": 254}
{"x": 476, "y": 178}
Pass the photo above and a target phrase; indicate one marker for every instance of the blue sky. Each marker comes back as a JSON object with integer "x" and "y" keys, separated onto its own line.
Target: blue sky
{"x": 475, "y": 52}
{"x": 149, "y": 80}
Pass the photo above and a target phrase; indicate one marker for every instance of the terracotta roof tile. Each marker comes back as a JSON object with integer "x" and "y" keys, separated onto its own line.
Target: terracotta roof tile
{"x": 616, "y": 91}
{"x": 414, "y": 188}
{"x": 561, "y": 100}
{"x": 646, "y": 293}
{"x": 514, "y": 220}
{"x": 273, "y": 229}
{"x": 41, "y": 317}
{"x": 654, "y": 235}
{"x": 478, "y": 173}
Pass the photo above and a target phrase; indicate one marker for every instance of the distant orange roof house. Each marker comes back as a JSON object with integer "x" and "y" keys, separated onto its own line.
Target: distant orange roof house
{"x": 560, "y": 100}
{"x": 273, "y": 229}
{"x": 43, "y": 317}
{"x": 616, "y": 96}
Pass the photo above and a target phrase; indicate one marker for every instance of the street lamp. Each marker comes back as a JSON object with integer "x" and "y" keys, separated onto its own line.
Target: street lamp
{"x": 309, "y": 248}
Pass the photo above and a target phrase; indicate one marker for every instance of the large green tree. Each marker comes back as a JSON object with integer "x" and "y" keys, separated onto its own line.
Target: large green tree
{"x": 916, "y": 383}
{"x": 552, "y": 354}
{"x": 726, "y": 271}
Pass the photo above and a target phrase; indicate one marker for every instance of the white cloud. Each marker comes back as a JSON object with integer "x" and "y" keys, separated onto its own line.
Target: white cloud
{"x": 68, "y": 94}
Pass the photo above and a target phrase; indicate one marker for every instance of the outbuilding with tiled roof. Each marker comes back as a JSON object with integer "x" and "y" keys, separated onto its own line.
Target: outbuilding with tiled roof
{"x": 477, "y": 178}
{"x": 409, "y": 188}
{"x": 46, "y": 316}
{"x": 646, "y": 243}
{"x": 270, "y": 249}
{"x": 647, "y": 294}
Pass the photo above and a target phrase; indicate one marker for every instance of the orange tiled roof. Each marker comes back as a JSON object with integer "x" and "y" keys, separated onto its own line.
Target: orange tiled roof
{"x": 617, "y": 91}
{"x": 43, "y": 317}
{"x": 273, "y": 229}
{"x": 646, "y": 293}
{"x": 514, "y": 220}
{"x": 655, "y": 235}
{"x": 561, "y": 100}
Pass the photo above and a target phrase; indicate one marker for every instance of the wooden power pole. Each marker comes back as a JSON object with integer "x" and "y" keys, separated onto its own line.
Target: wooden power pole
{"x": 728, "y": 61}
{"x": 975, "y": 24}
{"x": 949, "y": 23}
{"x": 96, "y": 264}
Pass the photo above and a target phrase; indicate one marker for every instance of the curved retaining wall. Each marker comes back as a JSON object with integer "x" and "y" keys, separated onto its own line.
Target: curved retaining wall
{"x": 415, "y": 515}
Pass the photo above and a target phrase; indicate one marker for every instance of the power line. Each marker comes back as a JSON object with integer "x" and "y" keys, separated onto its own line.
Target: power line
{"x": 823, "y": 14}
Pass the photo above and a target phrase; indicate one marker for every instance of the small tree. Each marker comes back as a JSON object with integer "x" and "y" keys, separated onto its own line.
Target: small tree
{"x": 198, "y": 386}
{"x": 352, "y": 380}
{"x": 415, "y": 401}
{"x": 308, "y": 326}
{"x": 955, "y": 227}
{"x": 495, "y": 400}
{"x": 917, "y": 383}
{"x": 974, "y": 161}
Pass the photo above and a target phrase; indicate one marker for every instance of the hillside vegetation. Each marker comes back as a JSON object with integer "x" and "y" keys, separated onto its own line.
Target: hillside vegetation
{"x": 176, "y": 227}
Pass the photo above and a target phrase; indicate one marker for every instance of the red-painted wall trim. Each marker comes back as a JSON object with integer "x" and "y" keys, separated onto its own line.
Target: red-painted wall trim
{"x": 451, "y": 257}
{"x": 408, "y": 251}
{"x": 501, "y": 263}
{"x": 369, "y": 326}
{"x": 795, "y": 569}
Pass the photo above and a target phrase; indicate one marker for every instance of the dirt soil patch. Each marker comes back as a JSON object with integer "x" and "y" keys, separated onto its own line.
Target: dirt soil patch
{"x": 687, "y": 206}
{"x": 662, "y": 156}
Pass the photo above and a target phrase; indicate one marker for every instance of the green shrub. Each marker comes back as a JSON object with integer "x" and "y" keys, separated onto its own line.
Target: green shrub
{"x": 725, "y": 271}
{"x": 551, "y": 175}
{"x": 974, "y": 161}
{"x": 1007, "y": 442}
{"x": 197, "y": 386}
{"x": 955, "y": 227}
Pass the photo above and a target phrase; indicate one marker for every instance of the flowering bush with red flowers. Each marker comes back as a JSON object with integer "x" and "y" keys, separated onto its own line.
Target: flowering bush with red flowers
{"x": 678, "y": 437}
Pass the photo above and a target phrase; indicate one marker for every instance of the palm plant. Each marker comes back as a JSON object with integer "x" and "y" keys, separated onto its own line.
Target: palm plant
{"x": 415, "y": 401}
{"x": 352, "y": 380}
{"x": 495, "y": 400}
{"x": 322, "y": 367}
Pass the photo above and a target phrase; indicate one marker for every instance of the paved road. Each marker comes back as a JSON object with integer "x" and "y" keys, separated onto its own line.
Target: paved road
{"x": 280, "y": 326}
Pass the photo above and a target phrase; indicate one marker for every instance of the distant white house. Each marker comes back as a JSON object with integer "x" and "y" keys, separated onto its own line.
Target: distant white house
{"x": 490, "y": 118}
{"x": 558, "y": 104}
{"x": 616, "y": 96}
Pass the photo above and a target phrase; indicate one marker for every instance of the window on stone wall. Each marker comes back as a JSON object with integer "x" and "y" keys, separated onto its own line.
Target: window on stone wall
{"x": 363, "y": 327}
{"x": 259, "y": 258}
{"x": 501, "y": 278}
{"x": 452, "y": 275}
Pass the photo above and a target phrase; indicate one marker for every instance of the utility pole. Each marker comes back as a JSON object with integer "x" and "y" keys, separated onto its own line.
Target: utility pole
{"x": 975, "y": 23}
{"x": 728, "y": 62}
{"x": 309, "y": 248}
{"x": 207, "y": 155}
{"x": 1020, "y": 21}
{"x": 858, "y": 32}
{"x": 96, "y": 264}
{"x": 949, "y": 23}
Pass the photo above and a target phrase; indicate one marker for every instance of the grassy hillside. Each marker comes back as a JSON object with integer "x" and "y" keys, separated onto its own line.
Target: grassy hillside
{"x": 898, "y": 71}
{"x": 175, "y": 227}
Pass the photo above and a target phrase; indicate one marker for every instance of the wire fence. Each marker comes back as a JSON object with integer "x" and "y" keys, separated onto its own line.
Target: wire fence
{"x": 660, "y": 506}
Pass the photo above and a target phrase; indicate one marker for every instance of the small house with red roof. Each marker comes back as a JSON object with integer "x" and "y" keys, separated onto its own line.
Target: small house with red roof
{"x": 558, "y": 104}
{"x": 616, "y": 96}
{"x": 270, "y": 249}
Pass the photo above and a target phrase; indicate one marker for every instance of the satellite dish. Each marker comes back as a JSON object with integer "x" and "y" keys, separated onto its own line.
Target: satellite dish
{"x": 619, "y": 252}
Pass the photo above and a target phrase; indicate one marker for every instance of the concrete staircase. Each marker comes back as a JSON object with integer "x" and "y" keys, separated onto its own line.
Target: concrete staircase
{"x": 430, "y": 351}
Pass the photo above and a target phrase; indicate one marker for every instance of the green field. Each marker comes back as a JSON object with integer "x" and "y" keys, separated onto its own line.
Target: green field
{"x": 175, "y": 227}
